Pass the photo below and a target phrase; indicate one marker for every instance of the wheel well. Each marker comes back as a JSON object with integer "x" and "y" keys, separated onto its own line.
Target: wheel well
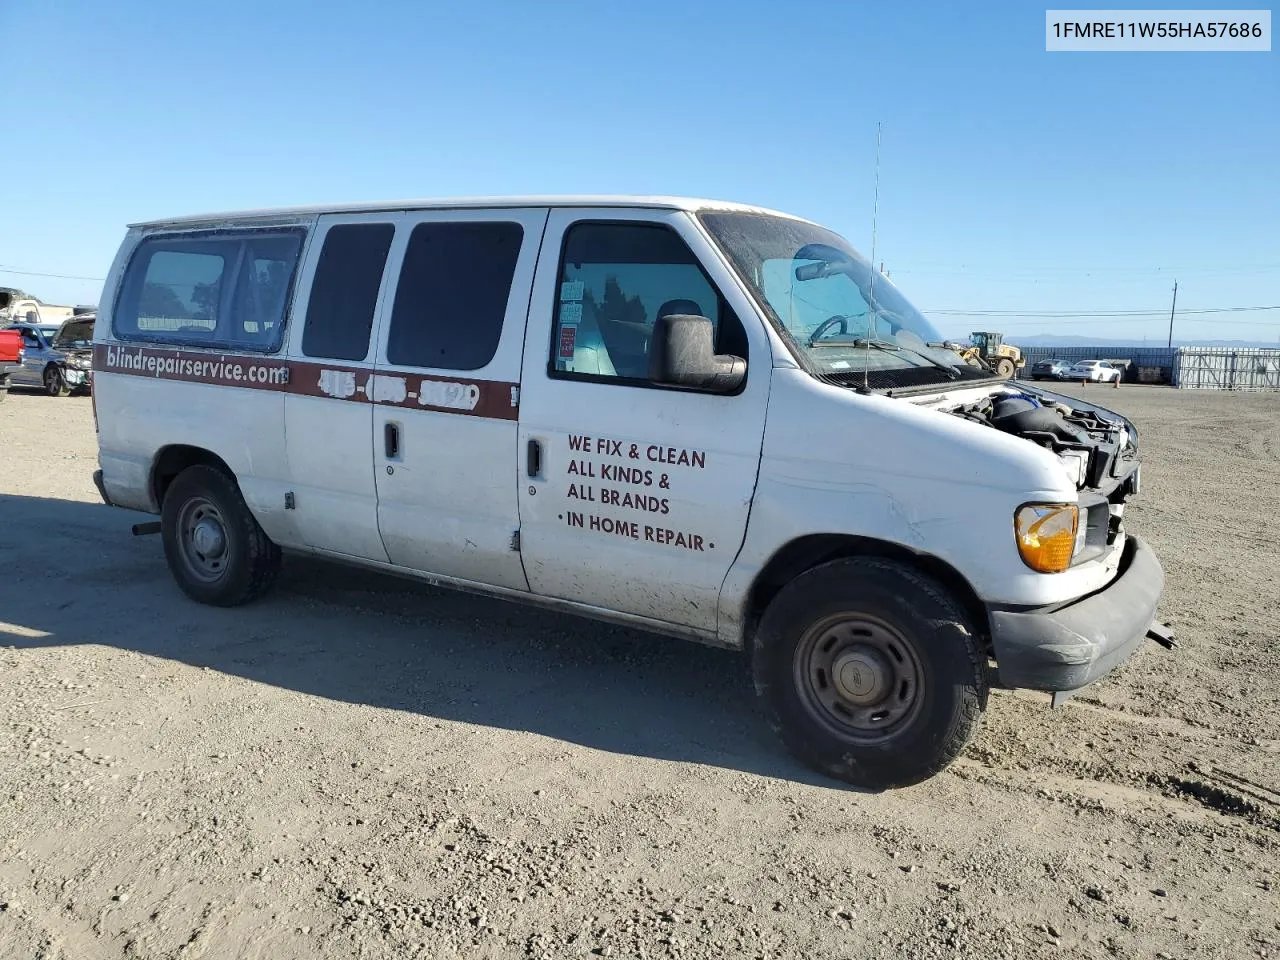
{"x": 807, "y": 552}
{"x": 172, "y": 460}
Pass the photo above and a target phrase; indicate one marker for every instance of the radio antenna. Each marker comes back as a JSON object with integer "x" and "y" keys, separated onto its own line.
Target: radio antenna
{"x": 871, "y": 295}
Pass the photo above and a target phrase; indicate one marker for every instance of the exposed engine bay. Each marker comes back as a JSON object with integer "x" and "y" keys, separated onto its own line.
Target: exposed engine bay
{"x": 1097, "y": 448}
{"x": 1098, "y": 451}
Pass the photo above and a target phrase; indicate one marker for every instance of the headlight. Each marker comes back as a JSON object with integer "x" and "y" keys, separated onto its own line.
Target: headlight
{"x": 1046, "y": 534}
{"x": 78, "y": 362}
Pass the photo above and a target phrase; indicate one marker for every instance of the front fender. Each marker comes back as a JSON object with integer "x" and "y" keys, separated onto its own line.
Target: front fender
{"x": 894, "y": 471}
{"x": 787, "y": 508}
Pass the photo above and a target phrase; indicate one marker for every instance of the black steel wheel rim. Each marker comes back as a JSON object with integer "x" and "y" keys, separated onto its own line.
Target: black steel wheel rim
{"x": 858, "y": 677}
{"x": 203, "y": 543}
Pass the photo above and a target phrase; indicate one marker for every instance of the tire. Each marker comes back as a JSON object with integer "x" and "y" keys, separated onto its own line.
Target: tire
{"x": 1004, "y": 367}
{"x": 55, "y": 384}
{"x": 215, "y": 549}
{"x": 932, "y": 687}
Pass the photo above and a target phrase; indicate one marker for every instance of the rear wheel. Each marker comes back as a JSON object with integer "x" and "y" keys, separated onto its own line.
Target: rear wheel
{"x": 870, "y": 672}
{"x": 214, "y": 547}
{"x": 55, "y": 384}
{"x": 1004, "y": 367}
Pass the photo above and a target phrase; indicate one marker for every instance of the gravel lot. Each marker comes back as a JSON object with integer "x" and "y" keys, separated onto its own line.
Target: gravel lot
{"x": 359, "y": 766}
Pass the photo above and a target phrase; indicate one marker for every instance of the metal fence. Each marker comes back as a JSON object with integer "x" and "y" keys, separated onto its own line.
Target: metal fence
{"x": 1189, "y": 368}
{"x": 1226, "y": 368}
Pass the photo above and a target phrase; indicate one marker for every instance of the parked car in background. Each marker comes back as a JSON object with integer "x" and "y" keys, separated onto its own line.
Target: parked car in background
{"x": 1099, "y": 371}
{"x": 11, "y": 354}
{"x": 1051, "y": 369}
{"x": 57, "y": 358}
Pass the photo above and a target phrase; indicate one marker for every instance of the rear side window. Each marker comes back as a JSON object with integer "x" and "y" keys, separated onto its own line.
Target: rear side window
{"x": 344, "y": 293}
{"x": 452, "y": 295}
{"x": 226, "y": 289}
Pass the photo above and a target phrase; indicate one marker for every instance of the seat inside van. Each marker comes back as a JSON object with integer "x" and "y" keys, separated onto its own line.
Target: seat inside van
{"x": 621, "y": 347}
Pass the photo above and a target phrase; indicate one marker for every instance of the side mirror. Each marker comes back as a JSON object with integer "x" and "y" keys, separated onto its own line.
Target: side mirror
{"x": 682, "y": 352}
{"x": 33, "y": 317}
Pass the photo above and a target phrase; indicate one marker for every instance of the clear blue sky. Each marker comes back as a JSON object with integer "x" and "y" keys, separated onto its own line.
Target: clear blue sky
{"x": 1011, "y": 178}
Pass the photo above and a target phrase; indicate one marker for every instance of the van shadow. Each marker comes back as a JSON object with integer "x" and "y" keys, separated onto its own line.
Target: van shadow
{"x": 75, "y": 575}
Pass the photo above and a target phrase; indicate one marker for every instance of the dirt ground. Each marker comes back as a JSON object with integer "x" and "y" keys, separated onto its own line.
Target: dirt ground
{"x": 359, "y": 766}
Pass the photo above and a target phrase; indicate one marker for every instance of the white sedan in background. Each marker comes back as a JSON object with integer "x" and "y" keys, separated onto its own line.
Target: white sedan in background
{"x": 1099, "y": 371}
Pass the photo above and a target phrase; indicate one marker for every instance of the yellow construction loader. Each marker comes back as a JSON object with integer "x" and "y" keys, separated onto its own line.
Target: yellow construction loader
{"x": 988, "y": 349}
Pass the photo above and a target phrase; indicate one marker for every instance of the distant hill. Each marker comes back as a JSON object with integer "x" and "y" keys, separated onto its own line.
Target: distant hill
{"x": 1052, "y": 340}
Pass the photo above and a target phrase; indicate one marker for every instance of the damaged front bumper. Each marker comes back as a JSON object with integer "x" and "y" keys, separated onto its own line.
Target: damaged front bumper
{"x": 78, "y": 378}
{"x": 1062, "y": 649}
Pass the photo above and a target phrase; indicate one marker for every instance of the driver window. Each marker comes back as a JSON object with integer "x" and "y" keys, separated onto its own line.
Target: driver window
{"x": 616, "y": 279}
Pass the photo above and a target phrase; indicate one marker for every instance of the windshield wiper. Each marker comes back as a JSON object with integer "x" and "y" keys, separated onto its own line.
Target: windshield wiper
{"x": 952, "y": 373}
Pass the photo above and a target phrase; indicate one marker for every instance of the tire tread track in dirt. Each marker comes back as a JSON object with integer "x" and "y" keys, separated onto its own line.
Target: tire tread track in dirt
{"x": 359, "y": 766}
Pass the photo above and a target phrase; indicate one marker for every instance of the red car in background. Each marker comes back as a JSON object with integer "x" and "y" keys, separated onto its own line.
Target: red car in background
{"x": 11, "y": 356}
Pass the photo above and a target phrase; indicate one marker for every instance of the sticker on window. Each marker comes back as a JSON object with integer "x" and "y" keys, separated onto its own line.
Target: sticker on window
{"x": 571, "y": 290}
{"x": 571, "y": 313}
{"x": 568, "y": 338}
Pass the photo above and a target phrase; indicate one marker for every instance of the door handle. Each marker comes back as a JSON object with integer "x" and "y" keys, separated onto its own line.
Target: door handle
{"x": 391, "y": 440}
{"x": 535, "y": 458}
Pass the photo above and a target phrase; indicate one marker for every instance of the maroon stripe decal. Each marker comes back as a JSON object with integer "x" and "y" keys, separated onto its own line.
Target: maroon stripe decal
{"x": 492, "y": 399}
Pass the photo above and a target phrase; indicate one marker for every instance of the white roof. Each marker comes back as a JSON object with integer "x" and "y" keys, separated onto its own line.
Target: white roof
{"x": 603, "y": 200}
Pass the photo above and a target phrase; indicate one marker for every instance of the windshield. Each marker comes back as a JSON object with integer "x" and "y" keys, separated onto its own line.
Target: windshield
{"x": 835, "y": 310}
{"x": 78, "y": 333}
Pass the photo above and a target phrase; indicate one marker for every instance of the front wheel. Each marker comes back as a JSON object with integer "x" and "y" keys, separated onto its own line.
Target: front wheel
{"x": 55, "y": 384}
{"x": 1004, "y": 368}
{"x": 870, "y": 672}
{"x": 213, "y": 544}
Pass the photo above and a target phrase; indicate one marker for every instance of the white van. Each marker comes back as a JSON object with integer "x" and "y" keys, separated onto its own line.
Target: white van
{"x": 697, "y": 418}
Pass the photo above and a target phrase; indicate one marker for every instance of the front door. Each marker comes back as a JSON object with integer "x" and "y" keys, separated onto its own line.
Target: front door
{"x": 446, "y": 393}
{"x": 34, "y": 358}
{"x": 634, "y": 496}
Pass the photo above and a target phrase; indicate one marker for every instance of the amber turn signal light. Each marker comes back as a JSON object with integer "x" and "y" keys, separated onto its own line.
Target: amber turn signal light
{"x": 1046, "y": 534}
